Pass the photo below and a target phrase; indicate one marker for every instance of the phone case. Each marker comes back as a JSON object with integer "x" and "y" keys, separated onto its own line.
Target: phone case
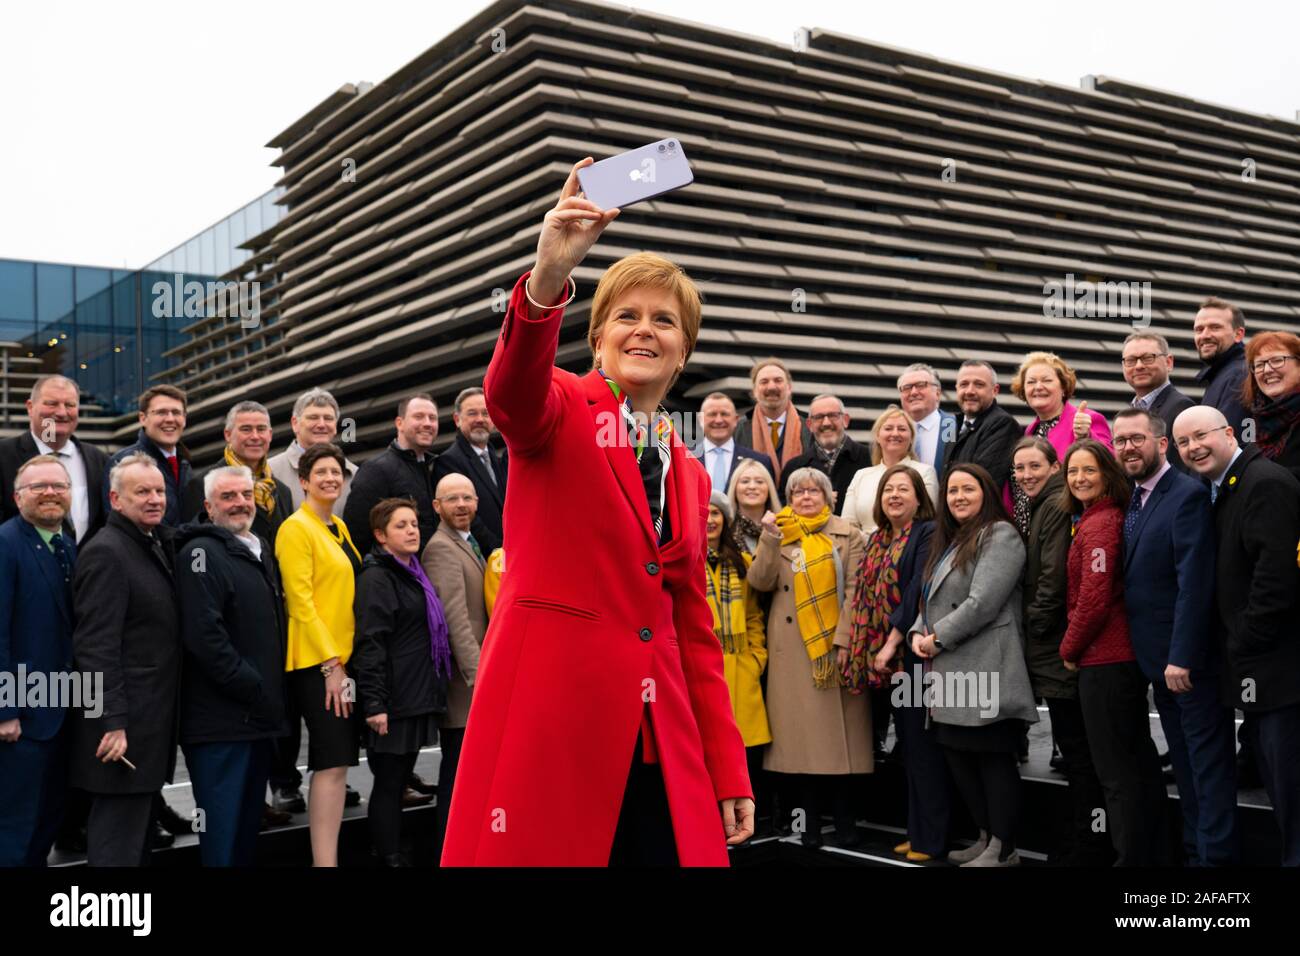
{"x": 637, "y": 175}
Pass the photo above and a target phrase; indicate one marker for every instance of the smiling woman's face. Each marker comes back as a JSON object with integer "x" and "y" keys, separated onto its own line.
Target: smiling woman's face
{"x": 642, "y": 346}
{"x": 1043, "y": 391}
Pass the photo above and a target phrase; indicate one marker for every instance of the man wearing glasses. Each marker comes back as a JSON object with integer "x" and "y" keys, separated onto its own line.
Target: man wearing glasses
{"x": 919, "y": 391}
{"x": 162, "y": 421}
{"x": 833, "y": 452}
{"x": 35, "y": 635}
{"x": 1257, "y": 587}
{"x": 1147, "y": 364}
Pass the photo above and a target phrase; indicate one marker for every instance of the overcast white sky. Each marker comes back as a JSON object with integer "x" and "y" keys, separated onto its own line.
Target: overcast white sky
{"x": 127, "y": 126}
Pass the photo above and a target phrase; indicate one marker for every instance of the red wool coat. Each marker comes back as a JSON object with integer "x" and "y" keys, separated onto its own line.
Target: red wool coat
{"x": 597, "y": 633}
{"x": 1098, "y": 629}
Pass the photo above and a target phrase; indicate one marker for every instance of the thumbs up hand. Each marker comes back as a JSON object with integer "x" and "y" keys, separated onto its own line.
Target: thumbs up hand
{"x": 1082, "y": 421}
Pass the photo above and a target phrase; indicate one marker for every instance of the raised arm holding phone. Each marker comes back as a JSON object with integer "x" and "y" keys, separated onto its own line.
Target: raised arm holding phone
{"x": 601, "y": 730}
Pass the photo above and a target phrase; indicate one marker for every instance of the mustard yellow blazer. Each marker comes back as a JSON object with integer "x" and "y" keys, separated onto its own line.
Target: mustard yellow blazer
{"x": 743, "y": 670}
{"x": 318, "y": 589}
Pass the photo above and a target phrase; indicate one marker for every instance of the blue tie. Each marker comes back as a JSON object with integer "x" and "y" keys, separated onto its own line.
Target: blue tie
{"x": 719, "y": 470}
{"x": 1134, "y": 509}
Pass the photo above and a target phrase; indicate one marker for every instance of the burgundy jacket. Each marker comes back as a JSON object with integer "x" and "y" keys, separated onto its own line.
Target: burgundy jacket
{"x": 1098, "y": 623}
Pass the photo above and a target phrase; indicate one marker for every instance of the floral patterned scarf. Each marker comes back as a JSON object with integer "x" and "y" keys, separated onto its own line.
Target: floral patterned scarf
{"x": 877, "y": 596}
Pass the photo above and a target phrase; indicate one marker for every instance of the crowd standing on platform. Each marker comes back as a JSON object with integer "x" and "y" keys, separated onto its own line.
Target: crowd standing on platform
{"x": 964, "y": 568}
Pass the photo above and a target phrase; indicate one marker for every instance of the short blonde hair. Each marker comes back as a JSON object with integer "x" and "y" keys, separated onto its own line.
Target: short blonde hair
{"x": 646, "y": 270}
{"x": 877, "y": 456}
{"x": 1063, "y": 372}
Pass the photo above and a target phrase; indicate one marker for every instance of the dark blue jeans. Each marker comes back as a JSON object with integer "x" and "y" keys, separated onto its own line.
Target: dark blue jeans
{"x": 229, "y": 787}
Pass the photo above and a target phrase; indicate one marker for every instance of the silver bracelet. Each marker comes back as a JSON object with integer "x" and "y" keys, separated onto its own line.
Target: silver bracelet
{"x": 546, "y": 308}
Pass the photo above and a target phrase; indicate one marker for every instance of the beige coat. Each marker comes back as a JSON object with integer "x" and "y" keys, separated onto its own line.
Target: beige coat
{"x": 457, "y": 575}
{"x": 813, "y": 731}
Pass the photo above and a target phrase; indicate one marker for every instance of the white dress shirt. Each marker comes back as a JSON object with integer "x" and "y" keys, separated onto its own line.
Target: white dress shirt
{"x": 717, "y": 462}
{"x": 927, "y": 437}
{"x": 76, "y": 465}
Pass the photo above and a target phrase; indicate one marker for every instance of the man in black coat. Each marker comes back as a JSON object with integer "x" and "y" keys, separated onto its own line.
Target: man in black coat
{"x": 162, "y": 422}
{"x": 127, "y": 624}
{"x": 402, "y": 470}
{"x": 1257, "y": 586}
{"x": 986, "y": 432}
{"x": 248, "y": 442}
{"x": 52, "y": 412}
{"x": 1147, "y": 363}
{"x": 472, "y": 455}
{"x": 232, "y": 698}
{"x": 832, "y": 451}
{"x": 1219, "y": 332}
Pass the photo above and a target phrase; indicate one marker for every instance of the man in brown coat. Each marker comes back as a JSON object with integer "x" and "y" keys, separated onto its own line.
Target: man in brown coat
{"x": 454, "y": 563}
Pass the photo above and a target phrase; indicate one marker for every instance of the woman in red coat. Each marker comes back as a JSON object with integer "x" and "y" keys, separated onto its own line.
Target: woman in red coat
{"x": 1112, "y": 688}
{"x": 601, "y": 727}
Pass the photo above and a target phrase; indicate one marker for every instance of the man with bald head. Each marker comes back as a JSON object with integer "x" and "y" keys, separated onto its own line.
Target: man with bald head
{"x": 1257, "y": 527}
{"x": 455, "y": 564}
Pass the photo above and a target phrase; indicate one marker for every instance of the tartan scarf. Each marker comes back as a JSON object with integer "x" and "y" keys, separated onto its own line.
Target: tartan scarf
{"x": 816, "y": 588}
{"x": 1275, "y": 422}
{"x": 663, "y": 439}
{"x": 877, "y": 597}
{"x": 263, "y": 480}
{"x": 726, "y": 594}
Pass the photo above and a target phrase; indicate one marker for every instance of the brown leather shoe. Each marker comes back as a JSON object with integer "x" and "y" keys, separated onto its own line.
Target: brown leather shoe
{"x": 411, "y": 798}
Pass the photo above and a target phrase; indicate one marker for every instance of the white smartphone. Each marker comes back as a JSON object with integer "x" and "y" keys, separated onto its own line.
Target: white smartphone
{"x": 637, "y": 175}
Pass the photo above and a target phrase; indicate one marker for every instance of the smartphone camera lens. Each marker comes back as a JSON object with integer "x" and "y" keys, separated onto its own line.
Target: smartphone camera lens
{"x": 661, "y": 147}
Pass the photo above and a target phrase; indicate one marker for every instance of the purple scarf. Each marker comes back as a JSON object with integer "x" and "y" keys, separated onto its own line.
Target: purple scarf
{"x": 437, "y": 620}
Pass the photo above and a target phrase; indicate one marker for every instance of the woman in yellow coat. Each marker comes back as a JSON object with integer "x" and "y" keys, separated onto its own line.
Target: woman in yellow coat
{"x": 318, "y": 568}
{"x": 738, "y": 623}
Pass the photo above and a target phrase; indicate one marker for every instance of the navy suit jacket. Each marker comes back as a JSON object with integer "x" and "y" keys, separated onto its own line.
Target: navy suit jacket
{"x": 739, "y": 451}
{"x": 947, "y": 435}
{"x": 1169, "y": 577}
{"x": 35, "y": 619}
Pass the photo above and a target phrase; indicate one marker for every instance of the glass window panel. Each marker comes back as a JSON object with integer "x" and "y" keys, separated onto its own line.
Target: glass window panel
{"x": 253, "y": 218}
{"x": 18, "y": 292}
{"x": 222, "y": 238}
{"x": 90, "y": 281}
{"x": 54, "y": 298}
{"x": 207, "y": 254}
{"x": 193, "y": 261}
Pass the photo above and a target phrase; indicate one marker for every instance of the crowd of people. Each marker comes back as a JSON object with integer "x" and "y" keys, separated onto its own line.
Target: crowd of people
{"x": 992, "y": 561}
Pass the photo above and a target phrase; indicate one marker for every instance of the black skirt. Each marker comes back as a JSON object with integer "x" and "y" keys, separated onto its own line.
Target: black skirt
{"x": 332, "y": 741}
{"x": 1002, "y": 736}
{"x": 406, "y": 735}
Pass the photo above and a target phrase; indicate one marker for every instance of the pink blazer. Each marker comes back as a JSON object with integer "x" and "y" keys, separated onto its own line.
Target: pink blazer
{"x": 1061, "y": 438}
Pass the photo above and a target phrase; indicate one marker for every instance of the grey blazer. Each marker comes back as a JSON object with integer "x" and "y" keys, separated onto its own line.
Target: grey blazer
{"x": 976, "y": 615}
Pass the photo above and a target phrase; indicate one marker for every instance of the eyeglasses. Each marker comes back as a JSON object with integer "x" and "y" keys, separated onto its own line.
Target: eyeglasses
{"x": 1275, "y": 362}
{"x": 1200, "y": 437}
{"x": 1148, "y": 358}
{"x": 1130, "y": 441}
{"x": 800, "y": 492}
{"x": 827, "y": 416}
{"x": 40, "y": 487}
{"x": 915, "y": 386}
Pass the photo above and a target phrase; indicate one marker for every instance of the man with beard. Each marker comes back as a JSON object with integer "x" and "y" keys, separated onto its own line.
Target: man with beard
{"x": 233, "y": 631}
{"x": 35, "y": 635}
{"x": 1169, "y": 585}
{"x": 1257, "y": 587}
{"x": 833, "y": 452}
{"x": 472, "y": 455}
{"x": 773, "y": 427}
{"x": 1147, "y": 363}
{"x": 402, "y": 470}
{"x": 986, "y": 432}
{"x": 1219, "y": 331}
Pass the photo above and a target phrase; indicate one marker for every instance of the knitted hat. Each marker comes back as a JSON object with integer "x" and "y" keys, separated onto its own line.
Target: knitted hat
{"x": 723, "y": 504}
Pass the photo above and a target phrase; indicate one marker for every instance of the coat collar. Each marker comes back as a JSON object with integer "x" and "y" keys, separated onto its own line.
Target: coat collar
{"x": 1235, "y": 352}
{"x": 1231, "y": 477}
{"x": 452, "y": 535}
{"x": 1148, "y": 508}
{"x": 49, "y": 564}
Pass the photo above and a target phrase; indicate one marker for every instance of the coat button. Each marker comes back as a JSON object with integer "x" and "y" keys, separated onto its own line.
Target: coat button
{"x": 645, "y": 634}
{"x": 789, "y": 620}
{"x": 786, "y": 588}
{"x": 652, "y": 569}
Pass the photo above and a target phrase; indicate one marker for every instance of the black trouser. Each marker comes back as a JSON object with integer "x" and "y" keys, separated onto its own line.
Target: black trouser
{"x": 816, "y": 790}
{"x": 1082, "y": 843}
{"x": 385, "y": 813}
{"x": 117, "y": 832}
{"x": 1114, "y": 702}
{"x": 1275, "y": 739}
{"x": 989, "y": 783}
{"x": 929, "y": 788}
{"x": 644, "y": 834}
{"x": 451, "y": 740}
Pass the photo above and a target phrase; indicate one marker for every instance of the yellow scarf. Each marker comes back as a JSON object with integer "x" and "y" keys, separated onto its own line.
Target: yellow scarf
{"x": 816, "y": 594}
{"x": 263, "y": 481}
{"x": 727, "y": 594}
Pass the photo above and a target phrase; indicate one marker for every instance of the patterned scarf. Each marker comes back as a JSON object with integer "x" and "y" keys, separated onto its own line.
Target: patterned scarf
{"x": 828, "y": 458}
{"x": 1021, "y": 512}
{"x": 439, "y": 645}
{"x": 877, "y": 596}
{"x": 726, "y": 596}
{"x": 745, "y": 527}
{"x": 791, "y": 441}
{"x": 816, "y": 588}
{"x": 263, "y": 480}
{"x": 663, "y": 439}
{"x": 1275, "y": 423}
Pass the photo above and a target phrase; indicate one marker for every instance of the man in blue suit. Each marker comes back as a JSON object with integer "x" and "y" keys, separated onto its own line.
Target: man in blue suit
{"x": 1169, "y": 568}
{"x": 718, "y": 451}
{"x": 35, "y": 639}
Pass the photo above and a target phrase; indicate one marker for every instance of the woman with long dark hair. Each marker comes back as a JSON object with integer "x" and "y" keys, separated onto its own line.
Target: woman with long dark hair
{"x": 969, "y": 631}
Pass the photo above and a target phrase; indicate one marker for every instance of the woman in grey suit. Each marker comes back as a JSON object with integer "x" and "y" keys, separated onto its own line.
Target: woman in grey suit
{"x": 976, "y": 684}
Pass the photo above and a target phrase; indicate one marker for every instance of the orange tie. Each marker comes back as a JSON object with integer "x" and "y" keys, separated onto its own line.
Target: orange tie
{"x": 776, "y": 438}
